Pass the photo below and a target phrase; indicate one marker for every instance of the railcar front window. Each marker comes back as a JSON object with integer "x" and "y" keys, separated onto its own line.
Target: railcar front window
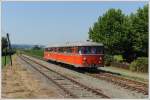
{"x": 90, "y": 50}
{"x": 100, "y": 50}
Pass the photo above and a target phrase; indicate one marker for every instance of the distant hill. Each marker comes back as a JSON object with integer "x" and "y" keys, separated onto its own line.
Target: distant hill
{"x": 25, "y": 46}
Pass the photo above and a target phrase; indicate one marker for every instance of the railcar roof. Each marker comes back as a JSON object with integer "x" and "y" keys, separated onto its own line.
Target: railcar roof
{"x": 70, "y": 44}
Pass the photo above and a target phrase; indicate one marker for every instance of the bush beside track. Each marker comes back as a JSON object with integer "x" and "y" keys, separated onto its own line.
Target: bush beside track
{"x": 138, "y": 65}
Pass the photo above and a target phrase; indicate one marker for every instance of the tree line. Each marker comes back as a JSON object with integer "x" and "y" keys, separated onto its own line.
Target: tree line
{"x": 4, "y": 45}
{"x": 121, "y": 34}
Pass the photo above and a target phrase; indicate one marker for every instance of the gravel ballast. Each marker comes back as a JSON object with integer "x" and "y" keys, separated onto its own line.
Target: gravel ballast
{"x": 113, "y": 91}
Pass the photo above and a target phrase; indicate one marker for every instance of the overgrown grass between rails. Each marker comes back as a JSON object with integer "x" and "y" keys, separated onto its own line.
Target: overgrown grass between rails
{"x": 36, "y": 53}
{"x": 3, "y": 60}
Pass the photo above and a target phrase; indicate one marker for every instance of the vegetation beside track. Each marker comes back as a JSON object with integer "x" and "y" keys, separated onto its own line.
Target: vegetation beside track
{"x": 3, "y": 60}
{"x": 125, "y": 38}
{"x": 32, "y": 52}
{"x": 39, "y": 54}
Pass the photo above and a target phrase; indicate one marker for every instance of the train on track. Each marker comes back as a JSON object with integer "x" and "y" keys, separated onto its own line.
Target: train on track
{"x": 79, "y": 54}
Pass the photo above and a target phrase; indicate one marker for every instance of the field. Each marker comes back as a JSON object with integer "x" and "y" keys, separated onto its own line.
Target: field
{"x": 37, "y": 53}
{"x": 3, "y": 60}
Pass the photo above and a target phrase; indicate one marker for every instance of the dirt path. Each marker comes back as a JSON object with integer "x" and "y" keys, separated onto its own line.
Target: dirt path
{"x": 18, "y": 82}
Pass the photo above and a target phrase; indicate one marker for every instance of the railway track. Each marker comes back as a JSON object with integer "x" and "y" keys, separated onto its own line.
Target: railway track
{"x": 123, "y": 82}
{"x": 120, "y": 81}
{"x": 71, "y": 87}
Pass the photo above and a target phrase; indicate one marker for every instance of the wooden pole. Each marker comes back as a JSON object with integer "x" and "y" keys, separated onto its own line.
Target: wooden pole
{"x": 10, "y": 49}
{"x": 5, "y": 56}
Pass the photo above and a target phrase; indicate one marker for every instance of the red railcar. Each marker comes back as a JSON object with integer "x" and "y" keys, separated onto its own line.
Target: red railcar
{"x": 79, "y": 54}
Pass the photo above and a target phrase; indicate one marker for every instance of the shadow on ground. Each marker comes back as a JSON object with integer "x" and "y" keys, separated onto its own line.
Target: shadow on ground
{"x": 82, "y": 70}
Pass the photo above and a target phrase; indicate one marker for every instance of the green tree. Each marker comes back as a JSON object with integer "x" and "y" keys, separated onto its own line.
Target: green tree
{"x": 140, "y": 31}
{"x": 109, "y": 30}
{"x": 4, "y": 43}
{"x": 125, "y": 35}
{"x": 36, "y": 47}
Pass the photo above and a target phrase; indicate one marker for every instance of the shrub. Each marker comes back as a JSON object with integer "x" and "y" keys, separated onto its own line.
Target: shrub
{"x": 133, "y": 66}
{"x": 108, "y": 59}
{"x": 139, "y": 65}
{"x": 118, "y": 58}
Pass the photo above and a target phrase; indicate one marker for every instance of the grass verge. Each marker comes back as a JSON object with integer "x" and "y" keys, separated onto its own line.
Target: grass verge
{"x": 36, "y": 53}
{"x": 3, "y": 60}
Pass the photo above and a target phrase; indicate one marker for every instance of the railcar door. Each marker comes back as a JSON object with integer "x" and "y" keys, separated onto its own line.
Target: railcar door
{"x": 75, "y": 56}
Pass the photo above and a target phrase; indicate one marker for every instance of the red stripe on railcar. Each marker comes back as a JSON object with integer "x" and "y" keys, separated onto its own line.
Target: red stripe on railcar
{"x": 83, "y": 60}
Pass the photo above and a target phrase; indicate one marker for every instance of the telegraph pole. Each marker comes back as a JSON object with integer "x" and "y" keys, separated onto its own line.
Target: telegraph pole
{"x": 5, "y": 55}
{"x": 10, "y": 49}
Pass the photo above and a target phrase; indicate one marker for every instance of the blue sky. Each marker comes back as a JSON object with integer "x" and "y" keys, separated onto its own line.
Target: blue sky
{"x": 55, "y": 22}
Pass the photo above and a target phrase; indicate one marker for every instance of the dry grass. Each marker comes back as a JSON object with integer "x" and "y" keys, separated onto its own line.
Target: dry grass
{"x": 18, "y": 82}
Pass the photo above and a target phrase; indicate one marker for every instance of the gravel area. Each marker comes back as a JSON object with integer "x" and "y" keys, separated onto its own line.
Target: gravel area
{"x": 108, "y": 88}
{"x": 76, "y": 89}
{"x": 21, "y": 81}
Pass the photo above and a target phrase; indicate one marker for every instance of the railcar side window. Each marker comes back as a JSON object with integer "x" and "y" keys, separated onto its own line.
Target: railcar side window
{"x": 50, "y": 49}
{"x": 54, "y": 49}
{"x": 69, "y": 50}
{"x": 83, "y": 50}
{"x": 93, "y": 50}
{"x": 61, "y": 50}
{"x": 64, "y": 50}
{"x": 46, "y": 49}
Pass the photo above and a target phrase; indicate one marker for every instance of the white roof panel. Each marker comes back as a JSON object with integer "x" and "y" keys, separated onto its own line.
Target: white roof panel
{"x": 79, "y": 43}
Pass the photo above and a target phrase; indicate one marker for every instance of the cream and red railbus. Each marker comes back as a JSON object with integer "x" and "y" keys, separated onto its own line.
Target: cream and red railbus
{"x": 78, "y": 54}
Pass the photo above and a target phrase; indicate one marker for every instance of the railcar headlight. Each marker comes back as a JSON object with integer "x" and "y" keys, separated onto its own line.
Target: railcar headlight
{"x": 84, "y": 58}
{"x": 100, "y": 58}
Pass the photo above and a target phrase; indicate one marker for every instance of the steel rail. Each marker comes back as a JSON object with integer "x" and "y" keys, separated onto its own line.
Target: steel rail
{"x": 74, "y": 81}
{"x": 123, "y": 82}
{"x": 125, "y": 85}
{"x": 65, "y": 90}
